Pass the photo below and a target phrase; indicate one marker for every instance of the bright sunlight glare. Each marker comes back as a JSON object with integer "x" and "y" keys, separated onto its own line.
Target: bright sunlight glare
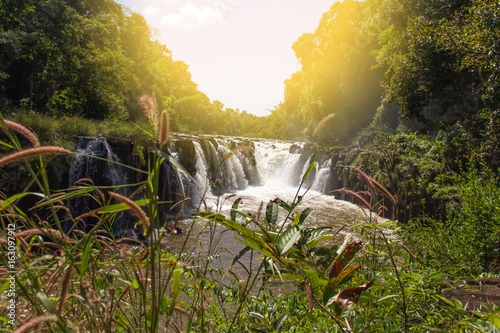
{"x": 238, "y": 51}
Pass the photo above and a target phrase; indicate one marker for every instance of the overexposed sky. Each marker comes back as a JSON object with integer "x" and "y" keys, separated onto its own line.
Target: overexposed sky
{"x": 238, "y": 51}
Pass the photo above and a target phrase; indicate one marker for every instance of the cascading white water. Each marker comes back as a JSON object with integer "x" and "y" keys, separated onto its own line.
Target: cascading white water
{"x": 96, "y": 162}
{"x": 256, "y": 170}
{"x": 323, "y": 177}
{"x": 279, "y": 166}
{"x": 269, "y": 162}
{"x": 275, "y": 162}
{"x": 85, "y": 166}
{"x": 201, "y": 164}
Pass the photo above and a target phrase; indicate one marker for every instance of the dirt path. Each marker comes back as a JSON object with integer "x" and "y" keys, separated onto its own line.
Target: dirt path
{"x": 473, "y": 292}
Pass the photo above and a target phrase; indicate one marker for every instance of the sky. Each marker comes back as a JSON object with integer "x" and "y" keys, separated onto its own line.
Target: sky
{"x": 238, "y": 51}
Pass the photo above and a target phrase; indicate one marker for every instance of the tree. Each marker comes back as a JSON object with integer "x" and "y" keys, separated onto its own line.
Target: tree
{"x": 335, "y": 77}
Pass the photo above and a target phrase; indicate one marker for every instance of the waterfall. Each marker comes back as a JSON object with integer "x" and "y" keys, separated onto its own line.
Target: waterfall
{"x": 85, "y": 166}
{"x": 213, "y": 166}
{"x": 97, "y": 162}
{"x": 230, "y": 164}
{"x": 323, "y": 178}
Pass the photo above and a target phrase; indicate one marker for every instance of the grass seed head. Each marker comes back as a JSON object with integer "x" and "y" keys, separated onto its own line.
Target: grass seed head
{"x": 32, "y": 152}
{"x": 20, "y": 129}
{"x": 136, "y": 210}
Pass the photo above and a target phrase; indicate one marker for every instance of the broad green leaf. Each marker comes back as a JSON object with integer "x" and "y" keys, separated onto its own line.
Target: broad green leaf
{"x": 4, "y": 287}
{"x": 305, "y": 214}
{"x": 136, "y": 284}
{"x": 313, "y": 236}
{"x": 283, "y": 204}
{"x": 286, "y": 240}
{"x": 272, "y": 212}
{"x": 313, "y": 279}
{"x": 164, "y": 301}
{"x": 495, "y": 319}
{"x": 250, "y": 237}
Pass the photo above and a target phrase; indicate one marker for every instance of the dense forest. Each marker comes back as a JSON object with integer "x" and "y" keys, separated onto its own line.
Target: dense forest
{"x": 373, "y": 65}
{"x": 412, "y": 84}
{"x": 95, "y": 59}
{"x": 428, "y": 65}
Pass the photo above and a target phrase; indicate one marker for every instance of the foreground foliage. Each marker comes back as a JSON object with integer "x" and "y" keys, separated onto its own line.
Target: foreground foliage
{"x": 384, "y": 278}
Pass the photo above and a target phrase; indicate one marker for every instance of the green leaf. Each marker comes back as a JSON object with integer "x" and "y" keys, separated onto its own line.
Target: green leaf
{"x": 292, "y": 277}
{"x": 283, "y": 204}
{"x": 66, "y": 196}
{"x": 272, "y": 212}
{"x": 313, "y": 236}
{"x": 120, "y": 207}
{"x": 85, "y": 258}
{"x": 279, "y": 322}
{"x": 136, "y": 284}
{"x": 9, "y": 201}
{"x": 250, "y": 237}
{"x": 164, "y": 301}
{"x": 47, "y": 304}
{"x": 309, "y": 169}
{"x": 4, "y": 287}
{"x": 305, "y": 214}
{"x": 313, "y": 279}
{"x": 257, "y": 315}
{"x": 495, "y": 319}
{"x": 176, "y": 285}
{"x": 286, "y": 240}
{"x": 241, "y": 254}
{"x": 236, "y": 216}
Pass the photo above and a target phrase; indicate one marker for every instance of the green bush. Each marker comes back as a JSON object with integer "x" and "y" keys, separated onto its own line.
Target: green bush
{"x": 468, "y": 241}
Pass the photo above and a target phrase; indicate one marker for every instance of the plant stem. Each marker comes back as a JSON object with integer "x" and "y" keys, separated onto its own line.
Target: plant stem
{"x": 391, "y": 256}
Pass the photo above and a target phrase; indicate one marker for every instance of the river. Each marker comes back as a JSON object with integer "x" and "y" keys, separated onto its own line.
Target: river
{"x": 273, "y": 169}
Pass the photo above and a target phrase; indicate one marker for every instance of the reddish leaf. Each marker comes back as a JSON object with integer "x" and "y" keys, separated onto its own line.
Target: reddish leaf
{"x": 344, "y": 259}
{"x": 351, "y": 295}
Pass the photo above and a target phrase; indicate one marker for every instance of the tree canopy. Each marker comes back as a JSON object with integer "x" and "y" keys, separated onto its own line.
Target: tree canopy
{"x": 94, "y": 59}
{"x": 368, "y": 66}
{"x": 435, "y": 59}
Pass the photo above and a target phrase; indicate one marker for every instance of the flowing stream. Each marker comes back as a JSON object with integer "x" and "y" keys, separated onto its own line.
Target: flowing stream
{"x": 256, "y": 171}
{"x": 217, "y": 171}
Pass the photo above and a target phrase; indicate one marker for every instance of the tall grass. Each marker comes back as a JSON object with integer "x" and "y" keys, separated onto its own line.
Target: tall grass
{"x": 68, "y": 280}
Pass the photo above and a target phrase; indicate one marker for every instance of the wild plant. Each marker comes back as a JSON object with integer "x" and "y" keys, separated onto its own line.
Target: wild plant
{"x": 70, "y": 280}
{"x": 296, "y": 253}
